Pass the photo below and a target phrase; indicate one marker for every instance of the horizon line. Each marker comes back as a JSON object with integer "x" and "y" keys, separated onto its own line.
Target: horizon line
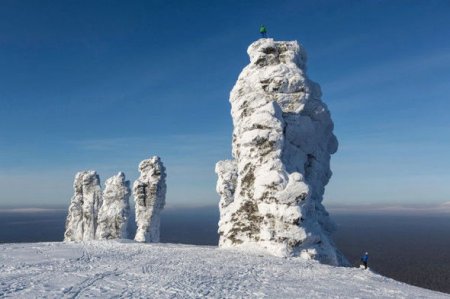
{"x": 369, "y": 208}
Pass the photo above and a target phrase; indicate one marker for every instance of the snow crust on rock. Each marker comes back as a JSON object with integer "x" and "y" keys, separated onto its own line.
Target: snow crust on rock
{"x": 272, "y": 190}
{"x": 114, "y": 213}
{"x": 81, "y": 222}
{"x": 150, "y": 196}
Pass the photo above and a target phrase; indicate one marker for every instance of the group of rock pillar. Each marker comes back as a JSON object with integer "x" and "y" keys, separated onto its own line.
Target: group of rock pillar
{"x": 96, "y": 214}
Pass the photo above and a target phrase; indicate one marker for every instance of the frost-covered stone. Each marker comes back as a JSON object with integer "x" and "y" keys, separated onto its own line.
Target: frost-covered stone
{"x": 149, "y": 192}
{"x": 74, "y": 221}
{"x": 113, "y": 214}
{"x": 92, "y": 201}
{"x": 81, "y": 222}
{"x": 272, "y": 190}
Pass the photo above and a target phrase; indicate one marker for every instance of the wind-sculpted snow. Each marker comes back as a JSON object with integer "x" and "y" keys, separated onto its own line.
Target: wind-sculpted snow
{"x": 113, "y": 215}
{"x": 81, "y": 222}
{"x": 272, "y": 190}
{"x": 150, "y": 195}
{"x": 112, "y": 269}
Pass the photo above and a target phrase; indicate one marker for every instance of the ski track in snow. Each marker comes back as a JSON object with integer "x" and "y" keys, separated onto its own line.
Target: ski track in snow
{"x": 124, "y": 269}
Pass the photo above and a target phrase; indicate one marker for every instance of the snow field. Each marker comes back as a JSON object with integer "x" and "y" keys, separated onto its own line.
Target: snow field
{"x": 125, "y": 269}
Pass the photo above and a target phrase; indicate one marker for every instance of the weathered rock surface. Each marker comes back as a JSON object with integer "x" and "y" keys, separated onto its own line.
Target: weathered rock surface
{"x": 114, "y": 213}
{"x": 272, "y": 190}
{"x": 74, "y": 221}
{"x": 150, "y": 195}
{"x": 81, "y": 222}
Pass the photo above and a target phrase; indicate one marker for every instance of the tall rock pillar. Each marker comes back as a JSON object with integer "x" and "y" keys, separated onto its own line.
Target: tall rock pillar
{"x": 272, "y": 190}
{"x": 150, "y": 195}
{"x": 81, "y": 222}
{"x": 114, "y": 213}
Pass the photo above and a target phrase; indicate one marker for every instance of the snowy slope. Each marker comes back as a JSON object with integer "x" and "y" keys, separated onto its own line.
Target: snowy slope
{"x": 105, "y": 269}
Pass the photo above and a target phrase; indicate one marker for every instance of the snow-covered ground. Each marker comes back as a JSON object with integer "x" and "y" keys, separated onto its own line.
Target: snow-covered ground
{"x": 124, "y": 269}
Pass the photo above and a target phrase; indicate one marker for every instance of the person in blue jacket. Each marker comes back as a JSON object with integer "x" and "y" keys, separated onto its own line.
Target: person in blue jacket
{"x": 365, "y": 259}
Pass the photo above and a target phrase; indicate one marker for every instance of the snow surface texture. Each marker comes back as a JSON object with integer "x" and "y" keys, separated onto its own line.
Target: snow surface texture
{"x": 113, "y": 214}
{"x": 81, "y": 222}
{"x": 112, "y": 269}
{"x": 272, "y": 190}
{"x": 150, "y": 195}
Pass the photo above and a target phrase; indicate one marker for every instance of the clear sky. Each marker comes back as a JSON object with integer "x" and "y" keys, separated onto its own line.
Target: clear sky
{"x": 105, "y": 84}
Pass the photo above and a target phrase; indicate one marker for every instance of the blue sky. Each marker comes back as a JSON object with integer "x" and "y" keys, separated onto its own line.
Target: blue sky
{"x": 105, "y": 84}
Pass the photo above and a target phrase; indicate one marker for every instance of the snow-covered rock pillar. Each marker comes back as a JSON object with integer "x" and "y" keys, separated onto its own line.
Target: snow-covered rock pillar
{"x": 272, "y": 190}
{"x": 74, "y": 221}
{"x": 92, "y": 201}
{"x": 113, "y": 214}
{"x": 81, "y": 222}
{"x": 150, "y": 195}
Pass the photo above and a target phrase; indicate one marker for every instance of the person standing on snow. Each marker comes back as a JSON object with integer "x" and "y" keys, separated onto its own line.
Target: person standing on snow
{"x": 365, "y": 259}
{"x": 263, "y": 31}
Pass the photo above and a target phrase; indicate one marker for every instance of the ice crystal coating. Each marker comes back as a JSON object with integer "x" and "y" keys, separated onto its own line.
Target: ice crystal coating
{"x": 81, "y": 222}
{"x": 113, "y": 215}
{"x": 272, "y": 190}
{"x": 74, "y": 221}
{"x": 149, "y": 192}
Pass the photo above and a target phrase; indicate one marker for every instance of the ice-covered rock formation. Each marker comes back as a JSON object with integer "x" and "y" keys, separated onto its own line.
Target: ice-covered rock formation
{"x": 81, "y": 222}
{"x": 150, "y": 195}
{"x": 113, "y": 214}
{"x": 92, "y": 201}
{"x": 74, "y": 221}
{"x": 272, "y": 190}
